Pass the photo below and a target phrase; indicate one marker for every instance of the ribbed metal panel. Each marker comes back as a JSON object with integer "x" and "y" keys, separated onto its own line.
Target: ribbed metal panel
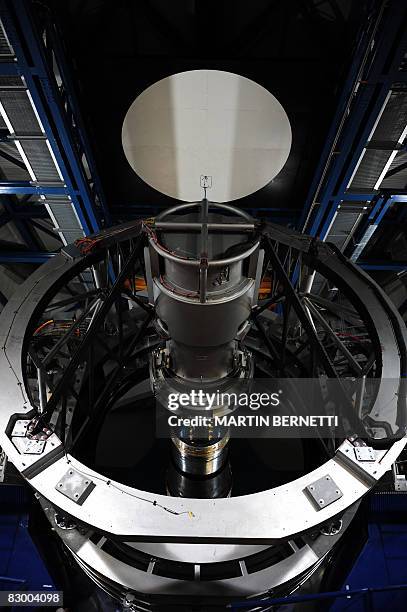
{"x": 41, "y": 161}
{"x": 398, "y": 180}
{"x": 64, "y": 214}
{"x": 389, "y": 129}
{"x": 72, "y": 235}
{"x": 394, "y": 118}
{"x": 370, "y": 169}
{"x": 343, "y": 227}
{"x": 34, "y": 152}
{"x": 5, "y": 47}
{"x": 20, "y": 112}
{"x": 11, "y": 81}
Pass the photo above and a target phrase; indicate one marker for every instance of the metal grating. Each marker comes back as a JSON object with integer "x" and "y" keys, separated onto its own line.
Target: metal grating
{"x": 64, "y": 216}
{"x": 394, "y": 118}
{"x": 398, "y": 180}
{"x": 390, "y": 130}
{"x": 41, "y": 161}
{"x": 340, "y": 233}
{"x": 20, "y": 119}
{"x": 343, "y": 227}
{"x": 5, "y": 47}
{"x": 370, "y": 169}
{"x": 11, "y": 81}
{"x": 20, "y": 112}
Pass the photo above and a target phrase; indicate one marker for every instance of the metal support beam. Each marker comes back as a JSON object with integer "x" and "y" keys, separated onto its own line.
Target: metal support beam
{"x": 379, "y": 266}
{"x": 370, "y": 82}
{"x": 32, "y": 188}
{"x": 33, "y": 257}
{"x": 34, "y": 64}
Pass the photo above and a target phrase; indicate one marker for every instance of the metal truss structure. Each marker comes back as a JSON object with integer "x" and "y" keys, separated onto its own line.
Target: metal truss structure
{"x": 77, "y": 336}
{"x": 85, "y": 328}
{"x": 47, "y": 166}
{"x": 50, "y": 172}
{"x": 362, "y": 170}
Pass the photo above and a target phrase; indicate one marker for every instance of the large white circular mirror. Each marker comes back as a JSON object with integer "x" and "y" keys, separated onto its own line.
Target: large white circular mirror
{"x": 206, "y": 123}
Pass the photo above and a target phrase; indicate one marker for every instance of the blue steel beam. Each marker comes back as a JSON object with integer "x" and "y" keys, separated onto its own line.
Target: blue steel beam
{"x": 359, "y": 196}
{"x": 379, "y": 209}
{"x": 267, "y": 603}
{"x": 383, "y": 266}
{"x": 53, "y": 41}
{"x": 365, "y": 39}
{"x": 375, "y": 80}
{"x": 33, "y": 65}
{"x": 28, "y": 187}
{"x": 375, "y": 217}
{"x": 33, "y": 257}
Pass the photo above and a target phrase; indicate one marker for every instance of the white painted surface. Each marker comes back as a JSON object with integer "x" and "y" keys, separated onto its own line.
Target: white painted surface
{"x": 206, "y": 122}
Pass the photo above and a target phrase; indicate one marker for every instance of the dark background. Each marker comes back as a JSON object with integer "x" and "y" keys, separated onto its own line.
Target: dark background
{"x": 300, "y": 50}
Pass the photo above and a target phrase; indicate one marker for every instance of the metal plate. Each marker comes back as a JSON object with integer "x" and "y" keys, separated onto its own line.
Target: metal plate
{"x": 20, "y": 428}
{"x": 75, "y": 486}
{"x": 29, "y": 447}
{"x": 324, "y": 492}
{"x": 365, "y": 453}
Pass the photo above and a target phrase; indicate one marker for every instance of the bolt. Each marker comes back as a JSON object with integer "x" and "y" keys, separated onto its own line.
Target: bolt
{"x": 128, "y": 600}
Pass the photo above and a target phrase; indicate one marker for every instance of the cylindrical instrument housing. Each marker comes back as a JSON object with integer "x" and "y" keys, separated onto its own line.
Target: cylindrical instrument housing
{"x": 204, "y": 287}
